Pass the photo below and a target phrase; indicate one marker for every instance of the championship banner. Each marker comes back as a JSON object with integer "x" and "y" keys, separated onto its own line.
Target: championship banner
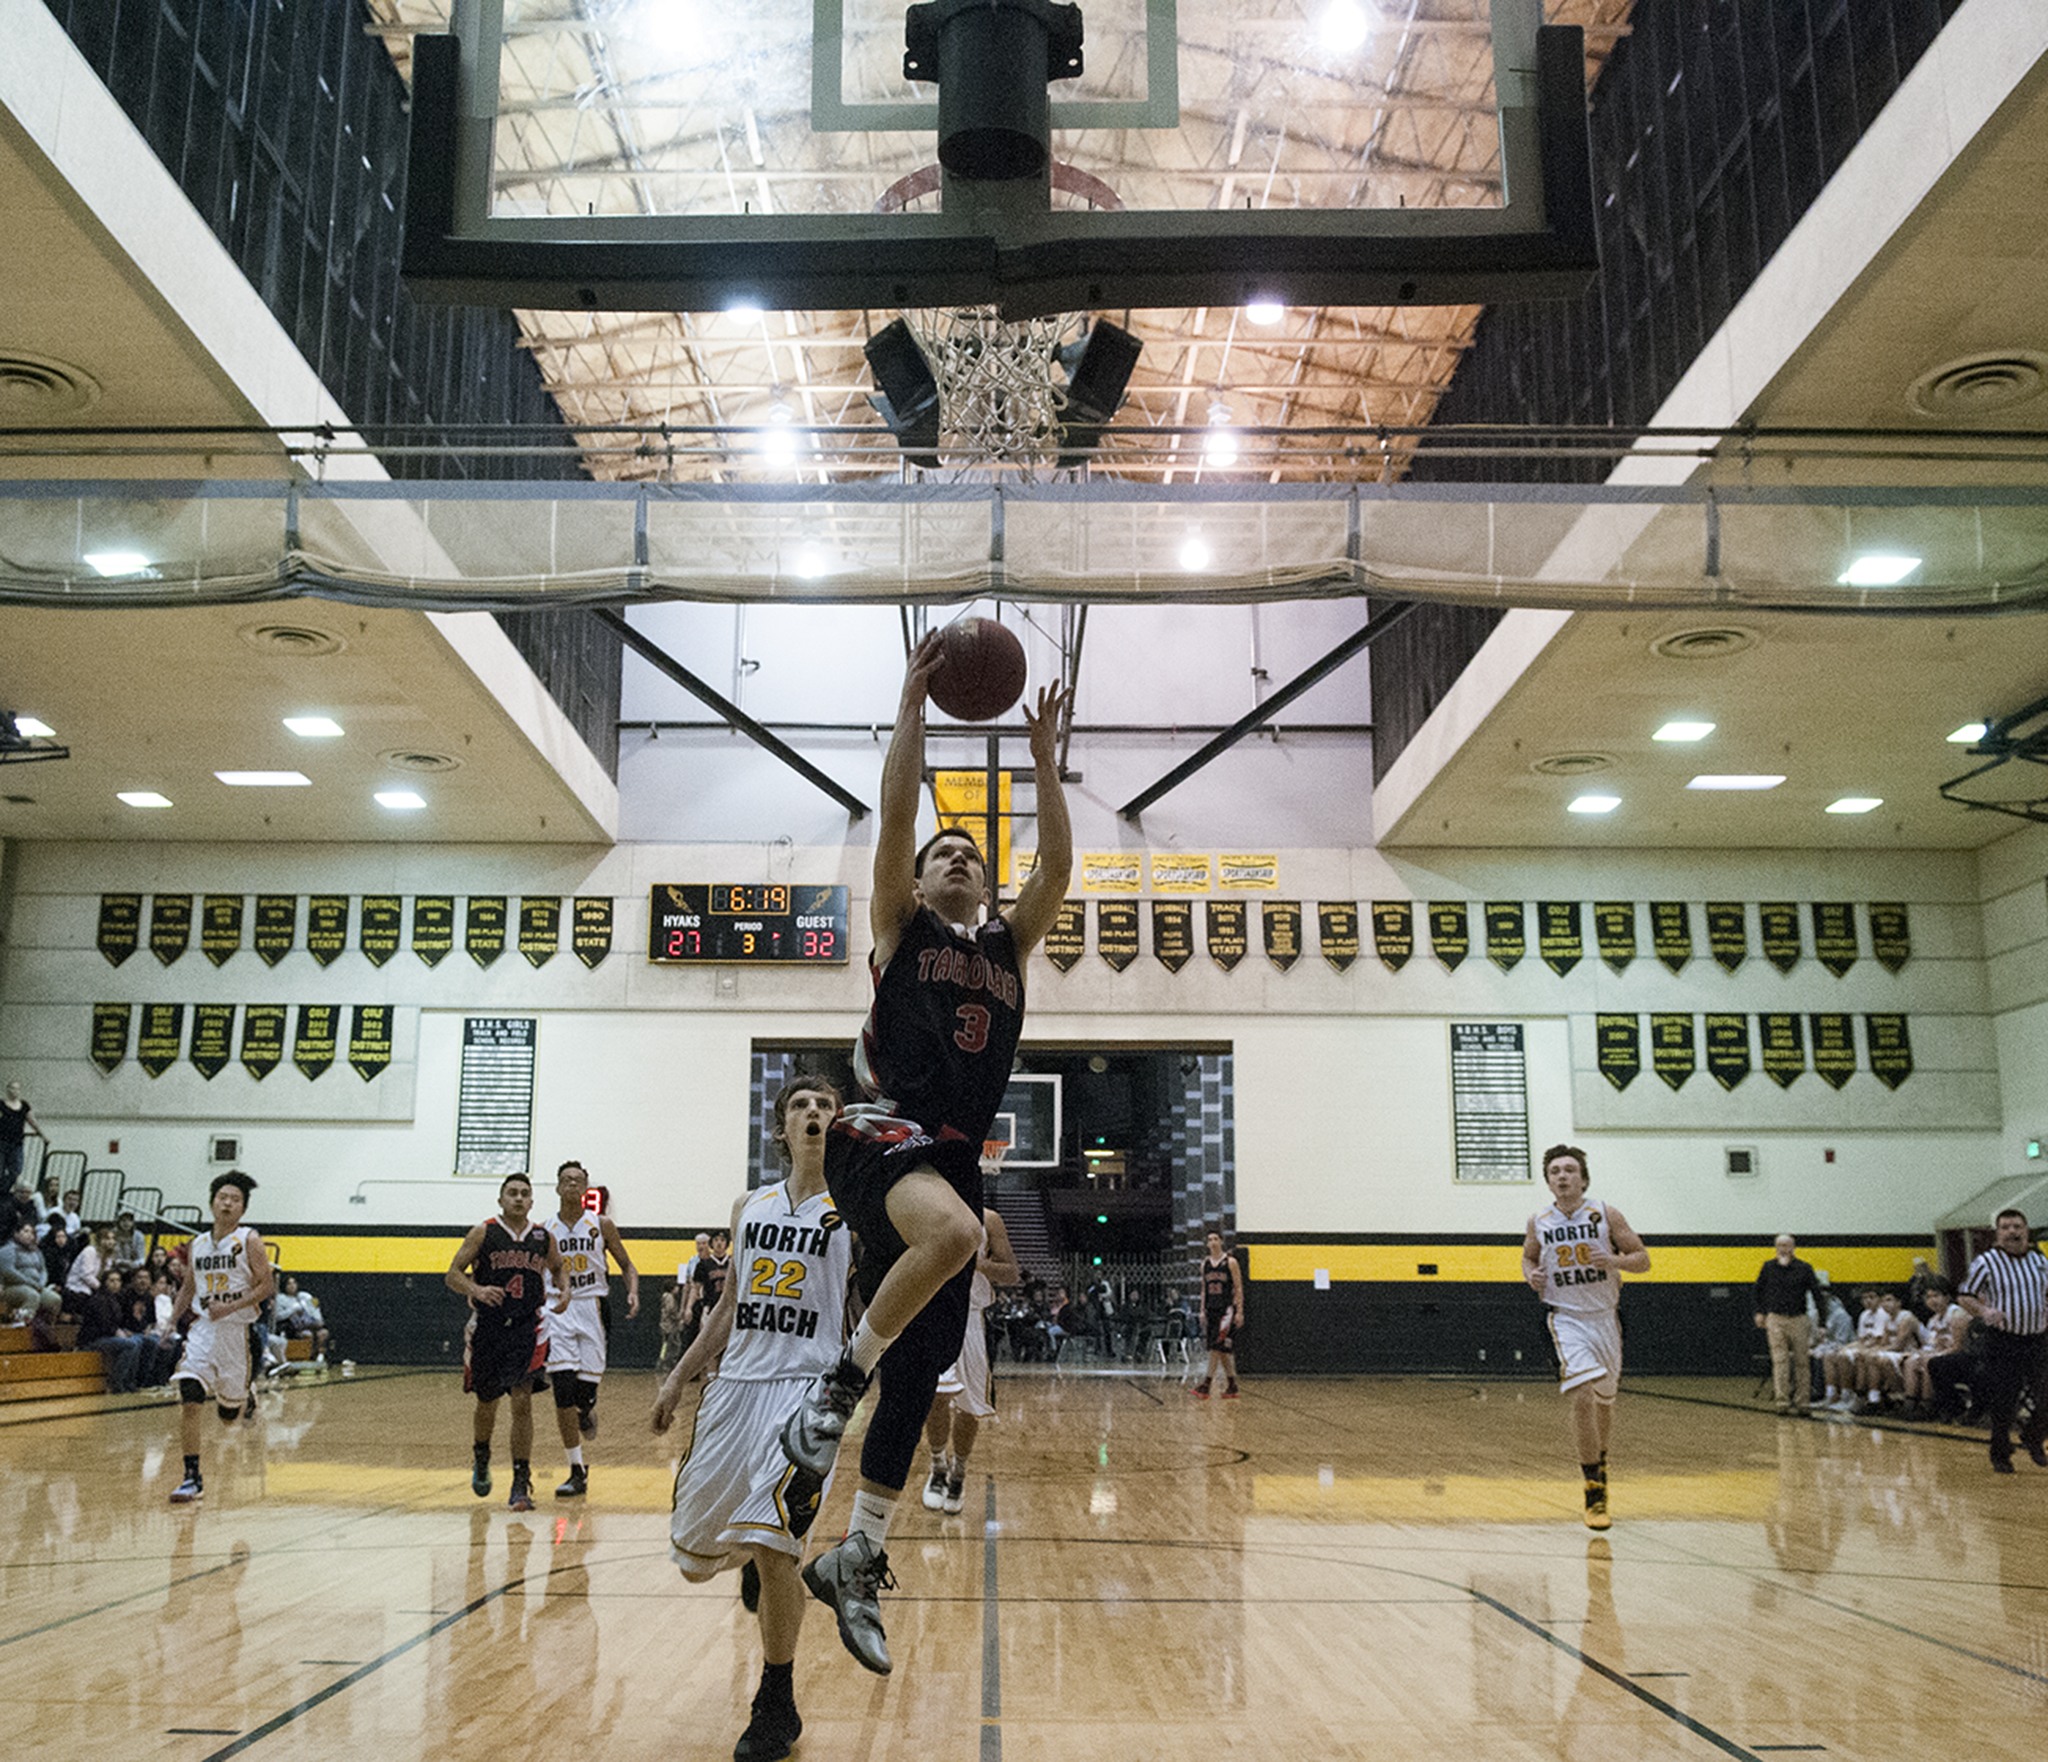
{"x": 1671, "y": 932}
{"x": 1393, "y": 932}
{"x": 277, "y": 926}
{"x": 1280, "y": 926}
{"x": 1778, "y": 933}
{"x": 1179, "y": 873}
{"x": 1671, "y": 1055}
{"x": 1618, "y": 1048}
{"x": 380, "y": 927}
{"x": 1506, "y": 940}
{"x": 326, "y": 926}
{"x": 1116, "y": 932}
{"x": 1112, "y": 871}
{"x": 591, "y": 936}
{"x": 120, "y": 926}
{"x": 1782, "y": 1039}
{"x": 1614, "y": 929}
{"x": 262, "y": 1038}
{"x": 1067, "y": 940}
{"x": 170, "y": 925}
{"x": 1727, "y": 933}
{"x": 1891, "y": 939}
{"x": 1173, "y": 933}
{"x": 1337, "y": 929}
{"x": 369, "y": 1039}
{"x": 1834, "y": 936}
{"x": 540, "y": 929}
{"x": 1727, "y": 1049}
{"x": 1241, "y": 871}
{"x": 110, "y": 1022}
{"x": 160, "y": 1038}
{"x": 1450, "y": 935}
{"x": 313, "y": 1044}
{"x": 213, "y": 1038}
{"x": 1834, "y": 1049}
{"x": 1557, "y": 934}
{"x": 961, "y": 799}
{"x": 220, "y": 927}
{"x": 433, "y": 927}
{"x": 483, "y": 928}
{"x": 1227, "y": 939}
{"x": 1891, "y": 1050}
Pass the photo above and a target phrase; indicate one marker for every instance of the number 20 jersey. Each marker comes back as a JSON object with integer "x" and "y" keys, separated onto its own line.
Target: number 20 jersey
{"x": 1573, "y": 1282}
{"x": 790, "y": 1264}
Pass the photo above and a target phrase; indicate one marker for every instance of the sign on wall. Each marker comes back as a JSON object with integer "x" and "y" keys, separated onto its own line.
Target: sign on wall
{"x": 1489, "y": 1101}
{"x": 494, "y": 1099}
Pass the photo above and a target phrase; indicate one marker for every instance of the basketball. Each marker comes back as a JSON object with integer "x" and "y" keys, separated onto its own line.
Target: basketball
{"x": 983, "y": 672}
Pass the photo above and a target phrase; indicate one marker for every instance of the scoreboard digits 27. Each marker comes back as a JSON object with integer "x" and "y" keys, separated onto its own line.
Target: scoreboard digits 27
{"x": 722, "y": 923}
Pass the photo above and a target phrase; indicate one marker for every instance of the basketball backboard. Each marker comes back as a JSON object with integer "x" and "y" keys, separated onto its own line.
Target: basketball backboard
{"x": 672, "y": 155}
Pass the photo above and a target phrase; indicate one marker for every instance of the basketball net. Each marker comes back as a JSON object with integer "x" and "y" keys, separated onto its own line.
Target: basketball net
{"x": 998, "y": 404}
{"x": 992, "y": 1152}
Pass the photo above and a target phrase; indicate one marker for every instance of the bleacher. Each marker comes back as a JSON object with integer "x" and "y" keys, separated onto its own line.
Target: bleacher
{"x": 29, "y": 1375}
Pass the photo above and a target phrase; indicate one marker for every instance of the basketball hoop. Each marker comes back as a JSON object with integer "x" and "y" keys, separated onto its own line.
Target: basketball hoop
{"x": 992, "y": 1152}
{"x": 998, "y": 402}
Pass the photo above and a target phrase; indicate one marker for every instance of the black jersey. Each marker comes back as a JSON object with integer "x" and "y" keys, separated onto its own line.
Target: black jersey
{"x": 1217, "y": 1295}
{"x": 710, "y": 1275}
{"x": 517, "y": 1265}
{"x": 942, "y": 1031}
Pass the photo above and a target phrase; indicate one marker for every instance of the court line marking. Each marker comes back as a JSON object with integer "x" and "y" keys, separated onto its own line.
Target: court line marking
{"x": 102, "y": 1608}
{"x": 991, "y": 1634}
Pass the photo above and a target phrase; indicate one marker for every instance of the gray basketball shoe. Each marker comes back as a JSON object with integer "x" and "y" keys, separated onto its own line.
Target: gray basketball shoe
{"x": 811, "y": 1437}
{"x": 848, "y": 1579}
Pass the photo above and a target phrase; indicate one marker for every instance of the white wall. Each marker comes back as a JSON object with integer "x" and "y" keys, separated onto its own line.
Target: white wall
{"x": 2015, "y": 894}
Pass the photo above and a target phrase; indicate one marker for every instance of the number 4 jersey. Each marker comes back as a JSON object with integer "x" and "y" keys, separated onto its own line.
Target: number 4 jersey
{"x": 790, "y": 1263}
{"x": 1571, "y": 1279}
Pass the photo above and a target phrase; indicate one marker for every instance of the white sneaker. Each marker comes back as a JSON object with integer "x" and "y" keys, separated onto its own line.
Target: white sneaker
{"x": 935, "y": 1488}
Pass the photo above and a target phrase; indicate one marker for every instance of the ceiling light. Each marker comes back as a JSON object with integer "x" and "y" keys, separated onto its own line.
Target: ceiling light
{"x": 402, "y": 799}
{"x": 1684, "y": 731}
{"x": 1878, "y": 569}
{"x": 811, "y": 563}
{"x": 1195, "y": 554}
{"x": 314, "y": 727}
{"x": 1594, "y": 804}
{"x": 144, "y": 798}
{"x": 112, "y": 563}
{"x": 1265, "y": 312}
{"x": 778, "y": 440}
{"x": 34, "y": 727}
{"x": 1344, "y": 25}
{"x": 1219, "y": 445}
{"x": 1854, "y": 804}
{"x": 265, "y": 779}
{"x": 1737, "y": 780}
{"x": 1967, "y": 735}
{"x": 744, "y": 310}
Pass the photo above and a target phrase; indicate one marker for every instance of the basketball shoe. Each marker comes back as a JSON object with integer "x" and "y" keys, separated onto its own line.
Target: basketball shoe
{"x": 848, "y": 1580}
{"x": 577, "y": 1484}
{"x": 956, "y": 1491}
{"x": 188, "y": 1491}
{"x": 772, "y": 1730}
{"x": 521, "y": 1497}
{"x": 480, "y": 1471}
{"x": 935, "y": 1488}
{"x": 1596, "y": 1497}
{"x": 1230, "y": 1390}
{"x": 811, "y": 1438}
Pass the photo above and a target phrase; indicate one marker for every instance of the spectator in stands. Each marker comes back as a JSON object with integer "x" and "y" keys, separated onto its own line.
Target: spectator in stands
{"x": 89, "y": 1269}
{"x": 298, "y": 1317}
{"x": 72, "y": 1220}
{"x": 1784, "y": 1287}
{"x": 1947, "y": 1325}
{"x": 26, "y": 1288}
{"x": 17, "y": 1201}
{"x": 159, "y": 1265}
{"x": 59, "y": 1251}
{"x": 131, "y": 1247}
{"x": 138, "y": 1317}
{"x": 1916, "y": 1286}
{"x": 17, "y": 1121}
{"x": 100, "y": 1327}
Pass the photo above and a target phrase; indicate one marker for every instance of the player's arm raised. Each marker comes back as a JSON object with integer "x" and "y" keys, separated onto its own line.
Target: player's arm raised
{"x": 457, "y": 1278}
{"x": 893, "y": 901}
{"x": 1045, "y": 888}
{"x": 617, "y": 1245}
{"x": 1629, "y": 1253}
{"x": 999, "y": 1260}
{"x": 710, "y": 1341}
{"x": 1532, "y": 1259}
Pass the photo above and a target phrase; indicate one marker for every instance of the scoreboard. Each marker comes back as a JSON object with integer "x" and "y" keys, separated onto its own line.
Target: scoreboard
{"x": 719, "y": 923}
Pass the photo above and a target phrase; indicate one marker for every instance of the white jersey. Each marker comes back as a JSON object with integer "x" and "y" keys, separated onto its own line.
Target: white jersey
{"x": 1565, "y": 1243}
{"x": 220, "y": 1272}
{"x": 581, "y": 1246}
{"x": 790, "y": 1264}
{"x": 980, "y": 1294}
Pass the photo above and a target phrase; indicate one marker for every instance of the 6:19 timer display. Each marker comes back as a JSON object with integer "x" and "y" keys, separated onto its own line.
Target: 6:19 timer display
{"x": 720, "y": 923}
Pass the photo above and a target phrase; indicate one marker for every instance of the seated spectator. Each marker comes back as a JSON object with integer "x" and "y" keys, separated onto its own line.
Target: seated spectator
{"x": 138, "y": 1317}
{"x": 89, "y": 1270}
{"x": 58, "y": 1249}
{"x": 131, "y": 1248}
{"x": 1839, "y": 1363}
{"x": 297, "y": 1317}
{"x": 100, "y": 1326}
{"x": 1881, "y": 1370}
{"x": 26, "y": 1288}
{"x": 16, "y": 1204}
{"x": 72, "y": 1221}
{"x": 1947, "y": 1323}
{"x": 163, "y": 1297}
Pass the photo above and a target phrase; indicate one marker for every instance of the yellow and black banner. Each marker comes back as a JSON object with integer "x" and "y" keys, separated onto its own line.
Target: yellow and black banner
{"x": 1614, "y": 929}
{"x": 277, "y": 926}
{"x": 433, "y": 927}
{"x": 1337, "y": 928}
{"x": 1782, "y": 1048}
{"x": 961, "y": 799}
{"x": 170, "y": 925}
{"x": 1226, "y": 926}
{"x": 313, "y": 1043}
{"x": 1671, "y": 1053}
{"x": 120, "y": 926}
{"x": 213, "y": 1038}
{"x": 1116, "y": 932}
{"x": 1450, "y": 932}
{"x": 1671, "y": 932}
{"x": 1727, "y": 932}
{"x": 483, "y": 928}
{"x": 591, "y": 932}
{"x": 1891, "y": 1049}
{"x": 1777, "y": 923}
{"x": 369, "y": 1039}
{"x": 1834, "y": 1049}
{"x": 1834, "y": 936}
{"x": 1065, "y": 943}
{"x": 1891, "y": 936}
{"x": 1506, "y": 940}
{"x": 110, "y": 1023}
{"x": 540, "y": 929}
{"x": 1618, "y": 1048}
{"x": 1727, "y": 1049}
{"x": 160, "y": 1039}
{"x": 1558, "y": 939}
{"x": 1173, "y": 933}
{"x": 220, "y": 927}
{"x": 1393, "y": 932}
{"x": 1280, "y": 925}
{"x": 326, "y": 926}
{"x": 262, "y": 1038}
{"x": 381, "y": 928}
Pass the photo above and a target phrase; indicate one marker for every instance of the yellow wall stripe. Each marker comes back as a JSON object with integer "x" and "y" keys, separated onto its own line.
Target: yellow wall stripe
{"x": 1467, "y": 1262}
{"x": 305, "y": 1255}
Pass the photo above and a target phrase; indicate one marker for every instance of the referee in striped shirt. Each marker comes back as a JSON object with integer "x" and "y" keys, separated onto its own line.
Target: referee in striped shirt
{"x": 2006, "y": 1289}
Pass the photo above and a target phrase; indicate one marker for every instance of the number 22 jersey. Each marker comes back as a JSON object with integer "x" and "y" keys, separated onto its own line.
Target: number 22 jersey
{"x": 790, "y": 1264}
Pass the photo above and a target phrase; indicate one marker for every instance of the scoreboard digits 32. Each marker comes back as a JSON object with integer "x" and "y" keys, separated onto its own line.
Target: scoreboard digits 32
{"x": 723, "y": 923}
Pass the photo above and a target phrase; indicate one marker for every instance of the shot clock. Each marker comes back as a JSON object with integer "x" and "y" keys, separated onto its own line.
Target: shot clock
{"x": 722, "y": 924}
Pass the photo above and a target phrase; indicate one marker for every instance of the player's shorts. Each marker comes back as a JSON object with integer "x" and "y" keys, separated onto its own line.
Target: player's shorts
{"x": 1218, "y": 1334}
{"x": 735, "y": 1488}
{"x": 968, "y": 1384}
{"x": 1588, "y": 1346}
{"x": 574, "y": 1339}
{"x": 866, "y": 1154}
{"x": 217, "y": 1359}
{"x": 501, "y": 1357}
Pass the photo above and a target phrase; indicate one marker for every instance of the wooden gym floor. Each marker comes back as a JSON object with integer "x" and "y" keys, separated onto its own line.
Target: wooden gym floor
{"x": 1325, "y": 1568}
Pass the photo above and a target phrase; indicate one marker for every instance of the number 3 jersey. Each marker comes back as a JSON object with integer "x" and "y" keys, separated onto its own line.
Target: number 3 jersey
{"x": 1567, "y": 1242}
{"x": 790, "y": 1264}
